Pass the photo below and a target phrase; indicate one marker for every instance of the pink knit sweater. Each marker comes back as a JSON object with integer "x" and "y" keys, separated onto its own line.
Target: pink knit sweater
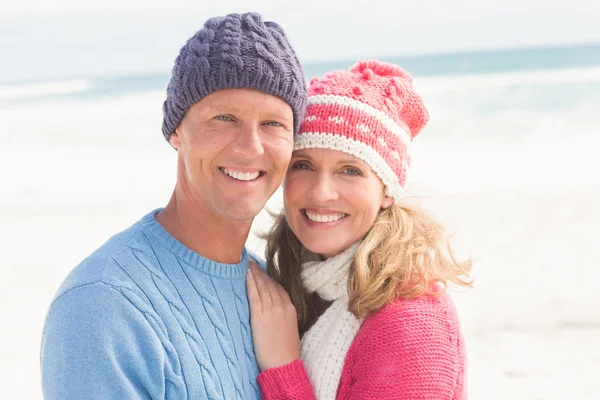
{"x": 410, "y": 349}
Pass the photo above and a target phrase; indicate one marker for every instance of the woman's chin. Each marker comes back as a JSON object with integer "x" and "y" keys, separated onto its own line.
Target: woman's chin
{"x": 325, "y": 250}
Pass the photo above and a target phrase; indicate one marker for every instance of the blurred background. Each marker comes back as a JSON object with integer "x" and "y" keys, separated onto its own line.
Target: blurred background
{"x": 509, "y": 160}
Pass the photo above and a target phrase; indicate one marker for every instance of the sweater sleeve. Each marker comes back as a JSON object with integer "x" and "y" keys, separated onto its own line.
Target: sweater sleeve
{"x": 410, "y": 350}
{"x": 98, "y": 345}
{"x": 289, "y": 382}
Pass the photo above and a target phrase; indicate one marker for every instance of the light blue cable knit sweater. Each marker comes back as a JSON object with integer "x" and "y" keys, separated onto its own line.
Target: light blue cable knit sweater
{"x": 144, "y": 317}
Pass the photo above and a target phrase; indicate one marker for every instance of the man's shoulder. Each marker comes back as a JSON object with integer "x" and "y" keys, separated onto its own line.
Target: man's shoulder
{"x": 98, "y": 267}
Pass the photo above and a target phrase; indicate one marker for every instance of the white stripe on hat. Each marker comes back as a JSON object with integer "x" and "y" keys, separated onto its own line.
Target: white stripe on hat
{"x": 347, "y": 129}
{"x": 390, "y": 124}
{"x": 319, "y": 140}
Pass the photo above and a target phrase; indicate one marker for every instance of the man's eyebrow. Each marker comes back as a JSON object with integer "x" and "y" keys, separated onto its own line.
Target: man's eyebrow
{"x": 222, "y": 107}
{"x": 278, "y": 115}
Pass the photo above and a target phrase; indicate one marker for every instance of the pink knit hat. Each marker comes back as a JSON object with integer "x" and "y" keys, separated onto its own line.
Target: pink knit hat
{"x": 371, "y": 112}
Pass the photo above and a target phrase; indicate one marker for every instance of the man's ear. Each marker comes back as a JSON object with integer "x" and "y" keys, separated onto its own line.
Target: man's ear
{"x": 175, "y": 140}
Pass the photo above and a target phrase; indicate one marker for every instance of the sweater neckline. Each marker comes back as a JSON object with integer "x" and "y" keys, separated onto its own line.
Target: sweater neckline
{"x": 190, "y": 257}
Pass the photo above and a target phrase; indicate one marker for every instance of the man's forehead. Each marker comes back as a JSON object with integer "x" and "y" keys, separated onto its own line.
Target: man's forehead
{"x": 224, "y": 106}
{"x": 267, "y": 108}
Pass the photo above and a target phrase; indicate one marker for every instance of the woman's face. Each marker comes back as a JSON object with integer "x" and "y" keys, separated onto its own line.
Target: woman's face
{"x": 331, "y": 199}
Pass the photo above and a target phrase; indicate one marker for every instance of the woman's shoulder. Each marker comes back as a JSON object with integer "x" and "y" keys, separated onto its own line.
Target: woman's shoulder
{"x": 432, "y": 305}
{"x": 427, "y": 316}
{"x": 409, "y": 348}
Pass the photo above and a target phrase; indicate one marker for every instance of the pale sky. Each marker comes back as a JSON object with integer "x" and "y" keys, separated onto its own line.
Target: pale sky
{"x": 64, "y": 38}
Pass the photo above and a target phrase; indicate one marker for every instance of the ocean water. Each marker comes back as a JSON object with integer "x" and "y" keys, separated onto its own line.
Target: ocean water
{"x": 508, "y": 161}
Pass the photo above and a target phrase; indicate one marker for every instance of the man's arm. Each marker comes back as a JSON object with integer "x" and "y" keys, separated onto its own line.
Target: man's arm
{"x": 98, "y": 345}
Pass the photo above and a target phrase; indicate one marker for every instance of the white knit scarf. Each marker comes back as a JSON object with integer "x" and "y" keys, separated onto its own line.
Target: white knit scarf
{"x": 325, "y": 344}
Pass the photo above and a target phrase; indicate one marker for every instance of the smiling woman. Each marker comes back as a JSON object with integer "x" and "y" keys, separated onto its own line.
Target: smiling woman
{"x": 331, "y": 199}
{"x": 365, "y": 272}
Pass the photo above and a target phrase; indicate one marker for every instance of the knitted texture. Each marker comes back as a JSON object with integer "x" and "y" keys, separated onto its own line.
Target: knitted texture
{"x": 410, "y": 350}
{"x": 323, "y": 347}
{"x": 372, "y": 112}
{"x": 235, "y": 51}
{"x": 145, "y": 317}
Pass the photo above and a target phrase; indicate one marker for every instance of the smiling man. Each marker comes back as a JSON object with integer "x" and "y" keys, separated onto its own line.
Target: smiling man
{"x": 160, "y": 311}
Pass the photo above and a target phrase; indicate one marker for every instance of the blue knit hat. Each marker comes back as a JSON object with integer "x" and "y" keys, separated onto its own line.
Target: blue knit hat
{"x": 235, "y": 51}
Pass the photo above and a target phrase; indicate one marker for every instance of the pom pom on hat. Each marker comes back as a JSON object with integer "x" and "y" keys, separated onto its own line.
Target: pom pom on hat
{"x": 380, "y": 68}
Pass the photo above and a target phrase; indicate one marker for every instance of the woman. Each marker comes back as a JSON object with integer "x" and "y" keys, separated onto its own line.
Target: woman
{"x": 356, "y": 270}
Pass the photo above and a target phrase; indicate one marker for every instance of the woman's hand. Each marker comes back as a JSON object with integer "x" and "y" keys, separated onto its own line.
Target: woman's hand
{"x": 273, "y": 320}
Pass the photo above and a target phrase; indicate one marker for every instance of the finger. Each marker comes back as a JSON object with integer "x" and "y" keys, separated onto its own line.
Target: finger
{"x": 261, "y": 287}
{"x": 288, "y": 306}
{"x": 253, "y": 296}
{"x": 285, "y": 296}
{"x": 271, "y": 285}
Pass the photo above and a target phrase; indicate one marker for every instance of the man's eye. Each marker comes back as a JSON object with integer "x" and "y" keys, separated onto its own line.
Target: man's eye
{"x": 224, "y": 118}
{"x": 273, "y": 123}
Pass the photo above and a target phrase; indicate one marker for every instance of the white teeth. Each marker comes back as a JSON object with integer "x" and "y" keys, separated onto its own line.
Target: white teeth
{"x": 324, "y": 217}
{"x": 240, "y": 176}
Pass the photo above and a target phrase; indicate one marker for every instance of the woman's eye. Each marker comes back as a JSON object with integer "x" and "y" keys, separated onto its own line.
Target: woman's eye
{"x": 224, "y": 118}
{"x": 300, "y": 165}
{"x": 352, "y": 171}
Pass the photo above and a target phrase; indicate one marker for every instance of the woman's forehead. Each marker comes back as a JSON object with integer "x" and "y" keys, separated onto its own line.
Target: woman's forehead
{"x": 320, "y": 154}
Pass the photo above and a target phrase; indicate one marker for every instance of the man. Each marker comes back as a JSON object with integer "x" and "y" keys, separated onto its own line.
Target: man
{"x": 160, "y": 310}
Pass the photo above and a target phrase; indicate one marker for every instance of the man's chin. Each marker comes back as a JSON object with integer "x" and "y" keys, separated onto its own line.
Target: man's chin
{"x": 243, "y": 211}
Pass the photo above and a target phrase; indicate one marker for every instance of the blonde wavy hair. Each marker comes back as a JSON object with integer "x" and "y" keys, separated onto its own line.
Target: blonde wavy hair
{"x": 405, "y": 254}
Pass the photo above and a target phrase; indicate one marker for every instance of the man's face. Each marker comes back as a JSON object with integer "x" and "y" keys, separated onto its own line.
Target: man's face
{"x": 234, "y": 147}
